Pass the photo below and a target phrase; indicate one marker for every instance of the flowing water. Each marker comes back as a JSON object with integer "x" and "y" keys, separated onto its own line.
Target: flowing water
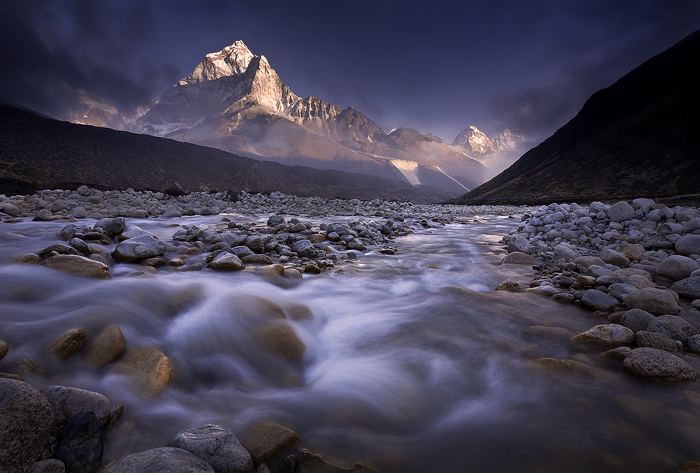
{"x": 412, "y": 362}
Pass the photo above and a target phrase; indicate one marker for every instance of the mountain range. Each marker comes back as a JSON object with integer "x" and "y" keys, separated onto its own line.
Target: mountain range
{"x": 235, "y": 101}
{"x": 637, "y": 138}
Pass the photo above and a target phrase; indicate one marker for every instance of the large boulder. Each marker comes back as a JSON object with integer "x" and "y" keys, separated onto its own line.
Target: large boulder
{"x": 609, "y": 336}
{"x": 673, "y": 326}
{"x": 658, "y": 365}
{"x": 655, "y": 301}
{"x": 68, "y": 402}
{"x": 620, "y": 212}
{"x": 689, "y": 287}
{"x": 136, "y": 249}
{"x": 160, "y": 460}
{"x": 216, "y": 445}
{"x": 79, "y": 266}
{"x": 26, "y": 420}
{"x": 267, "y": 440}
{"x": 688, "y": 245}
{"x": 676, "y": 267}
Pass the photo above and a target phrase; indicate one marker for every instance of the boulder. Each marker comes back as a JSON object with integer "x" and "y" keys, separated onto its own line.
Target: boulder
{"x": 563, "y": 252}
{"x": 267, "y": 440}
{"x": 620, "y": 291}
{"x": 225, "y": 261}
{"x": 637, "y": 319}
{"x": 632, "y": 251}
{"x": 676, "y": 267}
{"x": 657, "y": 340}
{"x": 216, "y": 445}
{"x": 135, "y": 249}
{"x": 614, "y": 257}
{"x": 304, "y": 248}
{"x": 80, "y": 446}
{"x": 25, "y": 425}
{"x": 68, "y": 402}
{"x": 693, "y": 343}
{"x": 68, "y": 342}
{"x": 4, "y": 348}
{"x": 587, "y": 261}
{"x": 620, "y": 212}
{"x": 598, "y": 300}
{"x": 153, "y": 369}
{"x": 275, "y": 220}
{"x": 518, "y": 243}
{"x": 282, "y": 340}
{"x": 114, "y": 226}
{"x": 658, "y": 365}
{"x": 609, "y": 336}
{"x": 673, "y": 326}
{"x": 689, "y": 287}
{"x": 688, "y": 245}
{"x": 106, "y": 347}
{"x": 160, "y": 460}
{"x": 655, "y": 301}
{"x": 79, "y": 266}
{"x": 48, "y": 466}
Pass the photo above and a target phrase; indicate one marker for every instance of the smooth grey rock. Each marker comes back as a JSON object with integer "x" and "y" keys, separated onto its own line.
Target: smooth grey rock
{"x": 688, "y": 245}
{"x": 620, "y": 291}
{"x": 225, "y": 261}
{"x": 267, "y": 440}
{"x": 607, "y": 335}
{"x": 563, "y": 252}
{"x": 655, "y": 301}
{"x": 113, "y": 226}
{"x": 587, "y": 261}
{"x": 676, "y": 267}
{"x": 256, "y": 242}
{"x": 216, "y": 445}
{"x": 78, "y": 266}
{"x": 620, "y": 212}
{"x": 689, "y": 287}
{"x": 241, "y": 251}
{"x": 598, "y": 300}
{"x": 614, "y": 257}
{"x": 658, "y": 365}
{"x": 136, "y": 231}
{"x": 637, "y": 319}
{"x": 135, "y": 249}
{"x": 25, "y": 425}
{"x": 171, "y": 212}
{"x": 598, "y": 271}
{"x": 673, "y": 326}
{"x": 67, "y": 402}
{"x": 160, "y": 460}
{"x": 657, "y": 340}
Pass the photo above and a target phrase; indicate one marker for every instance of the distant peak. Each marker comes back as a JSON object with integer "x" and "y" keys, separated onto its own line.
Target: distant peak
{"x": 230, "y": 61}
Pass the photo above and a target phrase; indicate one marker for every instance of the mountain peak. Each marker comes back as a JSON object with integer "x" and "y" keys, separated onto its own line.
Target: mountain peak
{"x": 230, "y": 61}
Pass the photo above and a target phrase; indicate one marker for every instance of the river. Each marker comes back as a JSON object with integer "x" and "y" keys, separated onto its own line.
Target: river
{"x": 413, "y": 363}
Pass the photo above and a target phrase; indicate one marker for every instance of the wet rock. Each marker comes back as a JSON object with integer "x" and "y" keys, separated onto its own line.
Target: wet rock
{"x": 171, "y": 212}
{"x": 106, "y": 347}
{"x": 291, "y": 273}
{"x": 4, "y": 348}
{"x": 508, "y": 285}
{"x": 693, "y": 343}
{"x": 655, "y": 301}
{"x": 136, "y": 231}
{"x": 48, "y": 466}
{"x": 555, "y": 364}
{"x": 268, "y": 440}
{"x": 216, "y": 445}
{"x": 676, "y": 267}
{"x": 28, "y": 258}
{"x": 688, "y": 245}
{"x": 304, "y": 248}
{"x": 154, "y": 370}
{"x": 545, "y": 289}
{"x": 68, "y": 342}
{"x": 68, "y": 402}
{"x": 80, "y": 447}
{"x": 657, "y": 340}
{"x": 637, "y": 319}
{"x": 619, "y": 353}
{"x": 621, "y": 291}
{"x": 275, "y": 220}
{"x": 113, "y": 226}
{"x": 241, "y": 251}
{"x": 314, "y": 463}
{"x": 256, "y": 242}
{"x": 160, "y": 460}
{"x": 609, "y": 335}
{"x": 564, "y": 297}
{"x": 689, "y": 467}
{"x": 135, "y": 249}
{"x": 80, "y": 246}
{"x": 689, "y": 287}
{"x": 518, "y": 243}
{"x": 598, "y": 300}
{"x": 517, "y": 257}
{"x": 78, "y": 266}
{"x": 658, "y": 365}
{"x": 257, "y": 259}
{"x": 25, "y": 425}
{"x": 282, "y": 341}
{"x": 673, "y": 326}
{"x": 226, "y": 262}
{"x": 312, "y": 269}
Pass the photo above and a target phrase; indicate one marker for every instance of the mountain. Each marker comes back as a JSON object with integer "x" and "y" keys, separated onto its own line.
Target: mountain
{"x": 475, "y": 142}
{"x": 638, "y": 137}
{"x": 235, "y": 101}
{"x": 42, "y": 153}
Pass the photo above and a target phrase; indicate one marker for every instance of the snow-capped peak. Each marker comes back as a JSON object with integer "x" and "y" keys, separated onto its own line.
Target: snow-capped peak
{"x": 232, "y": 60}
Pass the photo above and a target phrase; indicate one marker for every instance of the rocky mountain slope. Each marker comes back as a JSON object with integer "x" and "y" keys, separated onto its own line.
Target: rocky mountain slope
{"x": 235, "y": 101}
{"x": 475, "y": 142}
{"x": 638, "y": 137}
{"x": 39, "y": 153}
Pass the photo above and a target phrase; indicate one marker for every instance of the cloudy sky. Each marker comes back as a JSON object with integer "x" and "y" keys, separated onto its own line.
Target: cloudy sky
{"x": 435, "y": 66}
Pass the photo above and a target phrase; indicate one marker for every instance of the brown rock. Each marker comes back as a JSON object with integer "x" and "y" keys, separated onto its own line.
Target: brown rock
{"x": 609, "y": 335}
{"x": 689, "y": 467}
{"x": 299, "y": 312}
{"x": 658, "y": 365}
{"x": 28, "y": 258}
{"x": 282, "y": 340}
{"x": 105, "y": 348}
{"x": 508, "y": 285}
{"x": 152, "y": 367}
{"x": 256, "y": 258}
{"x": 314, "y": 463}
{"x": 79, "y": 266}
{"x": 312, "y": 269}
{"x": 292, "y": 273}
{"x": 4, "y": 348}
{"x": 268, "y": 440}
{"x": 68, "y": 342}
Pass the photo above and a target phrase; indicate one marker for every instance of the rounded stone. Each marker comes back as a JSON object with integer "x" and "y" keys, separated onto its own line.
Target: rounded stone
{"x": 676, "y": 267}
{"x": 25, "y": 424}
{"x": 4, "y": 348}
{"x": 517, "y": 257}
{"x": 608, "y": 335}
{"x": 656, "y": 340}
{"x": 68, "y": 342}
{"x": 693, "y": 343}
{"x": 216, "y": 445}
{"x": 160, "y": 460}
{"x": 614, "y": 257}
{"x": 154, "y": 370}
{"x": 673, "y": 326}
{"x": 689, "y": 287}
{"x": 67, "y": 402}
{"x": 135, "y": 249}
{"x": 637, "y": 319}
{"x": 658, "y": 365}
{"x": 267, "y": 440}
{"x": 282, "y": 340}
{"x": 78, "y": 266}
{"x": 620, "y": 212}
{"x": 226, "y": 262}
{"x": 655, "y": 301}
{"x": 304, "y": 248}
{"x": 80, "y": 446}
{"x": 598, "y": 300}
{"x": 106, "y": 347}
{"x": 688, "y": 245}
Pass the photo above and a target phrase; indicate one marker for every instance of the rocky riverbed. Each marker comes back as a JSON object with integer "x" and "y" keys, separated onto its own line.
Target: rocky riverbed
{"x": 363, "y": 326}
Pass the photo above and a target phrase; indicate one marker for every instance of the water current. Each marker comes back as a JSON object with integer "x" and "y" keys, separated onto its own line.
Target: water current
{"x": 413, "y": 363}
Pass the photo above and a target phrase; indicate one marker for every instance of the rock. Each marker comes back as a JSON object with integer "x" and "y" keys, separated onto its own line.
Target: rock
{"x": 135, "y": 249}
{"x": 314, "y": 463}
{"x": 676, "y": 267}
{"x": 113, "y": 226}
{"x": 545, "y": 289}
{"x": 518, "y": 243}
{"x": 626, "y": 273}
{"x": 25, "y": 425}
{"x": 517, "y": 257}
{"x": 282, "y": 340}
{"x": 154, "y": 370}
{"x": 563, "y": 297}
{"x": 4, "y": 348}
{"x": 508, "y": 285}
{"x": 598, "y": 271}
{"x": 657, "y": 340}
{"x": 275, "y": 220}
{"x": 658, "y": 365}
{"x": 171, "y": 212}
{"x": 636, "y": 319}
{"x": 673, "y": 326}
{"x": 79, "y": 245}
{"x": 619, "y": 353}
{"x": 241, "y": 251}
{"x": 563, "y": 252}
{"x": 621, "y": 291}
{"x": 160, "y": 460}
{"x": 68, "y": 342}
{"x": 79, "y": 266}
{"x": 555, "y": 364}
{"x": 256, "y": 242}
{"x": 614, "y": 257}
{"x": 9, "y": 209}
{"x": 225, "y": 261}
{"x": 598, "y": 300}
{"x": 105, "y": 348}
{"x": 688, "y": 245}
{"x": 689, "y": 467}
{"x": 257, "y": 259}
{"x": 136, "y": 231}
{"x": 216, "y": 445}
{"x": 28, "y": 258}
{"x": 689, "y": 287}
{"x": 632, "y": 251}
{"x": 312, "y": 269}
{"x": 80, "y": 447}
{"x": 291, "y": 273}
{"x": 693, "y": 343}
{"x": 68, "y": 402}
{"x": 587, "y": 261}
{"x": 655, "y": 301}
{"x": 620, "y": 212}
{"x": 304, "y": 248}
{"x": 267, "y": 440}
{"x": 609, "y": 335}
{"x": 48, "y": 466}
